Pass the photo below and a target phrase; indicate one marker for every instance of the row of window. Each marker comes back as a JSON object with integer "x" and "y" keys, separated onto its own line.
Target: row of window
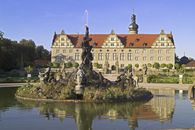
{"x": 122, "y": 57}
{"x": 136, "y": 51}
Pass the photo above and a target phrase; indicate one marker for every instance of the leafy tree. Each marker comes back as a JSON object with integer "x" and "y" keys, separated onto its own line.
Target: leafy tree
{"x": 69, "y": 64}
{"x": 75, "y": 64}
{"x": 28, "y": 69}
{"x": 42, "y": 53}
{"x": 163, "y": 65}
{"x": 99, "y": 66}
{"x": 95, "y": 64}
{"x": 170, "y": 66}
{"x": 156, "y": 65}
{"x": 129, "y": 67}
{"x": 149, "y": 65}
{"x": 137, "y": 65}
{"x": 177, "y": 66}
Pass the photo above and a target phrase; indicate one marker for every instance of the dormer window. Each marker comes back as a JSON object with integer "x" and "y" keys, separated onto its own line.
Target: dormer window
{"x": 137, "y": 39}
{"x": 62, "y": 39}
{"x": 131, "y": 44}
{"x": 145, "y": 44}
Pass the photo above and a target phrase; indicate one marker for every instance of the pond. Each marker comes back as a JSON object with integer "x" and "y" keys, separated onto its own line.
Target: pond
{"x": 168, "y": 109}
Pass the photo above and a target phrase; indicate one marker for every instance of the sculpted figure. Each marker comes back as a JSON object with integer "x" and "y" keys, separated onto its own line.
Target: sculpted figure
{"x": 145, "y": 69}
{"x": 80, "y": 76}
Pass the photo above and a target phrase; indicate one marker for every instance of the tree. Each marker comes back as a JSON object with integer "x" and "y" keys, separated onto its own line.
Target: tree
{"x": 137, "y": 65}
{"x": 177, "y": 66}
{"x": 42, "y": 53}
{"x": 28, "y": 70}
{"x": 149, "y": 65}
{"x": 69, "y": 64}
{"x": 170, "y": 66}
{"x": 129, "y": 66}
{"x": 75, "y": 64}
{"x": 27, "y": 53}
{"x": 163, "y": 65}
{"x": 95, "y": 64}
{"x": 156, "y": 65}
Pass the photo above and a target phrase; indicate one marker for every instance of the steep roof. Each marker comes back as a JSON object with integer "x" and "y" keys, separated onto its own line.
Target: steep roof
{"x": 129, "y": 40}
{"x": 191, "y": 64}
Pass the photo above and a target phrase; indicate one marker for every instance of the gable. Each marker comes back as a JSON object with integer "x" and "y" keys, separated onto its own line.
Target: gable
{"x": 62, "y": 40}
{"x": 163, "y": 41}
{"x": 112, "y": 41}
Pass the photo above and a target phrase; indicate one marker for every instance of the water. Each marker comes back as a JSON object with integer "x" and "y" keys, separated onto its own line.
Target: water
{"x": 167, "y": 110}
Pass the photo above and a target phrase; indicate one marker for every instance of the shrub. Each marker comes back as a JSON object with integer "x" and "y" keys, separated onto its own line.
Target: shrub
{"x": 170, "y": 66}
{"x": 156, "y": 65}
{"x": 137, "y": 65}
{"x": 75, "y": 64}
{"x": 163, "y": 65}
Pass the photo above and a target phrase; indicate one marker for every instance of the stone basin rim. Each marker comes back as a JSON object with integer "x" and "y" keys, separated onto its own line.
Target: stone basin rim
{"x": 81, "y": 101}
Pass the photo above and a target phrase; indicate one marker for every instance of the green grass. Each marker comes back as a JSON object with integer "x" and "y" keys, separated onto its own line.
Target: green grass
{"x": 170, "y": 79}
{"x": 18, "y": 79}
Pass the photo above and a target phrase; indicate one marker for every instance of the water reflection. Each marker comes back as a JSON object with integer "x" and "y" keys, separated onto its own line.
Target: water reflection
{"x": 163, "y": 104}
{"x": 159, "y": 108}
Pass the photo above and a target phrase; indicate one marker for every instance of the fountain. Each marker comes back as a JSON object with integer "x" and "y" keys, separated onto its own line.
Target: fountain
{"x": 83, "y": 84}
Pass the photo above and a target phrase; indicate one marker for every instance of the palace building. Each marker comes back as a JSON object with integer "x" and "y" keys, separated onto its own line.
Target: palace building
{"x": 117, "y": 49}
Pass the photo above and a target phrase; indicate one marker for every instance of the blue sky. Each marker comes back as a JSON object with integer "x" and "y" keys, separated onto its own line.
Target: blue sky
{"x": 39, "y": 19}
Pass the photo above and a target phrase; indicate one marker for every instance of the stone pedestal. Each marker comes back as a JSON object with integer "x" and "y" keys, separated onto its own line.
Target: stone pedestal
{"x": 180, "y": 79}
{"x": 145, "y": 77}
{"x": 79, "y": 89}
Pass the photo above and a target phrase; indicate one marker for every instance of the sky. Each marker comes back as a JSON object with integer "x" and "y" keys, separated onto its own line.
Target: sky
{"x": 39, "y": 19}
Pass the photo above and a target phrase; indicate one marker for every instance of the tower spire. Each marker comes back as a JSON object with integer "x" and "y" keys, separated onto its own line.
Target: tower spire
{"x": 133, "y": 27}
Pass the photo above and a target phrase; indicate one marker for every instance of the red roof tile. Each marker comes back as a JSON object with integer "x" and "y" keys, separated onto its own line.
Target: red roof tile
{"x": 137, "y": 40}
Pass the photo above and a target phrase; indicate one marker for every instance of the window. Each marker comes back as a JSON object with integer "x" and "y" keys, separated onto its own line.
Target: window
{"x": 62, "y": 39}
{"x": 167, "y": 51}
{"x": 77, "y": 56}
{"x": 115, "y": 56}
{"x": 144, "y": 58}
{"x": 144, "y": 51}
{"x": 162, "y": 38}
{"x": 112, "y": 39}
{"x": 131, "y": 44}
{"x": 100, "y": 56}
{"x": 107, "y": 56}
{"x": 160, "y": 58}
{"x": 70, "y": 51}
{"x": 62, "y": 43}
{"x": 151, "y": 58}
{"x": 162, "y": 44}
{"x": 151, "y": 51}
{"x": 159, "y": 51}
{"x": 122, "y": 56}
{"x": 122, "y": 65}
{"x": 145, "y": 44}
{"x": 129, "y": 56}
{"x": 64, "y": 51}
{"x": 112, "y": 44}
{"x": 136, "y": 58}
{"x": 168, "y": 58}
{"x": 136, "y": 51}
{"x": 93, "y": 56}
